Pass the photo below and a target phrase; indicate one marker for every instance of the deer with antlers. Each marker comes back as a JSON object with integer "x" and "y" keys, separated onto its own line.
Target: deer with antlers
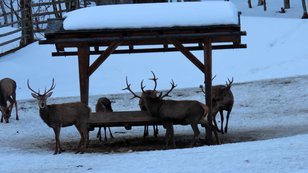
{"x": 7, "y": 94}
{"x": 63, "y": 115}
{"x": 187, "y": 111}
{"x": 223, "y": 100}
{"x": 152, "y": 93}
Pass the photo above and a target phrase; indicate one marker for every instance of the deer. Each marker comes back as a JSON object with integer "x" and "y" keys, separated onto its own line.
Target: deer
{"x": 7, "y": 94}
{"x": 142, "y": 106}
{"x": 103, "y": 105}
{"x": 223, "y": 100}
{"x": 63, "y": 115}
{"x": 187, "y": 111}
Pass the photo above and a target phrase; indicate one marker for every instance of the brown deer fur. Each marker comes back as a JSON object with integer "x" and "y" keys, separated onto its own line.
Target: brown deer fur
{"x": 63, "y": 115}
{"x": 103, "y": 105}
{"x": 7, "y": 93}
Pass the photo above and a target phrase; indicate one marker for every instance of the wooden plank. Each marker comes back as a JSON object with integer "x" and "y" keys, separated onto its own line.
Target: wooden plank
{"x": 124, "y": 118}
{"x": 83, "y": 63}
{"x": 151, "y": 50}
{"x": 188, "y": 54}
{"x": 103, "y": 57}
{"x": 208, "y": 83}
{"x": 11, "y": 32}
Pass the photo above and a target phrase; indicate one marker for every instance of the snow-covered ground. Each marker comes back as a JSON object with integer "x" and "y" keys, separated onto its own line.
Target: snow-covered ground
{"x": 268, "y": 129}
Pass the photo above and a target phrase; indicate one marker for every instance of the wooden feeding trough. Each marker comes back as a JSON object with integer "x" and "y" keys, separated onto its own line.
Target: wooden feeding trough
{"x": 195, "y": 26}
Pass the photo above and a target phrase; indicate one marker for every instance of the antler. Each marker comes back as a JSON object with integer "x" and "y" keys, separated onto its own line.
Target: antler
{"x": 51, "y": 87}
{"x": 155, "y": 81}
{"x": 167, "y": 94}
{"x": 202, "y": 88}
{"x": 129, "y": 89}
{"x": 38, "y": 93}
{"x": 228, "y": 85}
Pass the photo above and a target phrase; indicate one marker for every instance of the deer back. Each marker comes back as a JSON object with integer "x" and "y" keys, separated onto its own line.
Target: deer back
{"x": 65, "y": 114}
{"x": 7, "y": 89}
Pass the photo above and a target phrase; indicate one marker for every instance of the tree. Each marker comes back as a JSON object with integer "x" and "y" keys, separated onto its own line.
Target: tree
{"x": 3, "y": 11}
{"x": 305, "y": 15}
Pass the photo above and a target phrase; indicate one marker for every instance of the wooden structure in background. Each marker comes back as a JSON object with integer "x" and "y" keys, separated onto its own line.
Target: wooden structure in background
{"x": 104, "y": 42}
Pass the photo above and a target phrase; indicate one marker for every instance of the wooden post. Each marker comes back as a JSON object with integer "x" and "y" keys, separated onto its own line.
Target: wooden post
{"x": 208, "y": 85}
{"x": 83, "y": 63}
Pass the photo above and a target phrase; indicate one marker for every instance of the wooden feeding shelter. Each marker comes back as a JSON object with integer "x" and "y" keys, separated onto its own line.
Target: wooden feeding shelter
{"x": 161, "y": 27}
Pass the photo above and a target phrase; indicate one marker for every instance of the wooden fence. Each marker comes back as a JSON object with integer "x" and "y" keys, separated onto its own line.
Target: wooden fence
{"x": 21, "y": 24}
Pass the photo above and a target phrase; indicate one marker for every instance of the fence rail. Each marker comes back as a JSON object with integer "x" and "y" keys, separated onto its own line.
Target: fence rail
{"x": 37, "y": 20}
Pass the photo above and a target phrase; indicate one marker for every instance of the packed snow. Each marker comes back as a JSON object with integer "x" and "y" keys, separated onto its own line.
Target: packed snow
{"x": 152, "y": 15}
{"x": 268, "y": 129}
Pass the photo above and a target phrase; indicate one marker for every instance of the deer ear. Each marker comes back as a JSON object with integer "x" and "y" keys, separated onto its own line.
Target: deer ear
{"x": 34, "y": 95}
{"x": 49, "y": 94}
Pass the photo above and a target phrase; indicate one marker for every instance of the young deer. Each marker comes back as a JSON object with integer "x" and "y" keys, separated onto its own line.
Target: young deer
{"x": 187, "y": 111}
{"x": 103, "y": 105}
{"x": 63, "y": 115}
{"x": 223, "y": 100}
{"x": 7, "y": 93}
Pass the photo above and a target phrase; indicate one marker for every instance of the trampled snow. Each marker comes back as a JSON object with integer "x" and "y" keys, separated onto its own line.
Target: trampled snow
{"x": 152, "y": 15}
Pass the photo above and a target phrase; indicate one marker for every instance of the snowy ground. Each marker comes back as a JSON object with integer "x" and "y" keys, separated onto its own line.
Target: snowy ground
{"x": 268, "y": 129}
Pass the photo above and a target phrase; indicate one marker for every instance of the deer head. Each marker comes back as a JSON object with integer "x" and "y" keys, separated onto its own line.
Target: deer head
{"x": 42, "y": 98}
{"x": 153, "y": 94}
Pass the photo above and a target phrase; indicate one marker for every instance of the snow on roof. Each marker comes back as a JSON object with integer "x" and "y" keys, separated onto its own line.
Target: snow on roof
{"x": 151, "y": 15}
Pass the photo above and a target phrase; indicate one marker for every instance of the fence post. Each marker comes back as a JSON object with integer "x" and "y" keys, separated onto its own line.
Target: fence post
{"x": 26, "y": 23}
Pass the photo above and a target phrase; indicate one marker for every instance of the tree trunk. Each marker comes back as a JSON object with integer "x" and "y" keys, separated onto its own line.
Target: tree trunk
{"x": 27, "y": 25}
{"x": 287, "y": 4}
{"x": 249, "y": 4}
{"x": 305, "y": 14}
{"x": 55, "y": 9}
{"x": 3, "y": 12}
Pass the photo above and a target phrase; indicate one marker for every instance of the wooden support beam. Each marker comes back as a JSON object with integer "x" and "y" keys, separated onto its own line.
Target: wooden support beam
{"x": 208, "y": 84}
{"x": 111, "y": 48}
{"x": 83, "y": 63}
{"x": 188, "y": 54}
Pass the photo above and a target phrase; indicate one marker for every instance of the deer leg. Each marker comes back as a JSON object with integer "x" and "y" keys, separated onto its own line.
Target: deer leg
{"x": 1, "y": 118}
{"x": 222, "y": 121}
{"x": 228, "y": 114}
{"x": 105, "y": 139}
{"x": 83, "y": 138}
{"x": 58, "y": 149}
{"x": 155, "y": 128}
{"x": 110, "y": 133}
{"x": 146, "y": 131}
{"x": 215, "y": 123}
{"x": 194, "y": 127}
{"x": 15, "y": 102}
{"x": 99, "y": 134}
{"x": 215, "y": 133}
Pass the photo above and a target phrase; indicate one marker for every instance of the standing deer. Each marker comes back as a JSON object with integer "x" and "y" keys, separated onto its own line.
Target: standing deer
{"x": 188, "y": 111}
{"x": 152, "y": 93}
{"x": 223, "y": 100}
{"x": 63, "y": 115}
{"x": 7, "y": 93}
{"x": 103, "y": 105}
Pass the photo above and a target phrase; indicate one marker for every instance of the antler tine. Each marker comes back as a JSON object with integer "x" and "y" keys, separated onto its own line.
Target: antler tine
{"x": 230, "y": 82}
{"x": 31, "y": 88}
{"x": 172, "y": 87}
{"x": 142, "y": 87}
{"x": 155, "y": 80}
{"x": 129, "y": 89}
{"x": 213, "y": 77}
{"x": 202, "y": 89}
{"x": 52, "y": 86}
